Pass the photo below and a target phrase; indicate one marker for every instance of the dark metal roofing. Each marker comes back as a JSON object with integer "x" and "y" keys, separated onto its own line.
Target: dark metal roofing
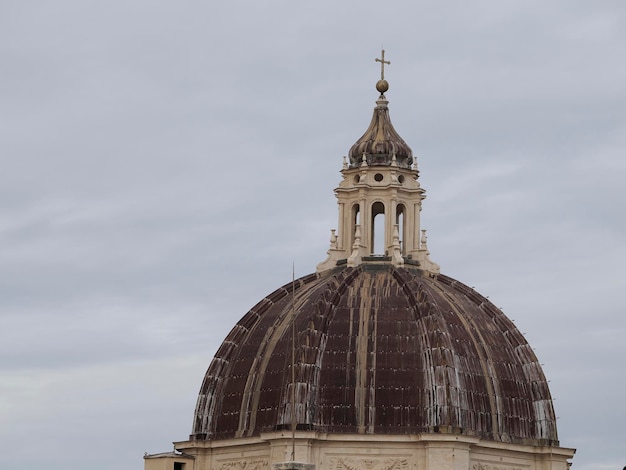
{"x": 379, "y": 350}
{"x": 380, "y": 142}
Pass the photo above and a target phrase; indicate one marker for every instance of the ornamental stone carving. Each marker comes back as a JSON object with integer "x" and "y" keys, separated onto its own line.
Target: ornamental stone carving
{"x": 349, "y": 463}
{"x": 486, "y": 466}
{"x": 245, "y": 464}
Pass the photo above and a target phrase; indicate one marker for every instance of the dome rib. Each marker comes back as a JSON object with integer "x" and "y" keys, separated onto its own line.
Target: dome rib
{"x": 480, "y": 345}
{"x": 310, "y": 350}
{"x": 253, "y": 405}
{"x": 223, "y": 371}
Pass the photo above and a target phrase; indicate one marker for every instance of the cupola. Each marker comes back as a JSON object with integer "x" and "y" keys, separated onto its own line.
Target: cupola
{"x": 379, "y": 199}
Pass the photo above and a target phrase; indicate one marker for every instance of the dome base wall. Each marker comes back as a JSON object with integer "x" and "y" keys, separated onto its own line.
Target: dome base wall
{"x": 357, "y": 451}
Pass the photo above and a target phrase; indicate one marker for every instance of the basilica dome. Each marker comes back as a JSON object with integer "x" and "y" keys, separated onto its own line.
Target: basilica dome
{"x": 376, "y": 349}
{"x": 376, "y": 360}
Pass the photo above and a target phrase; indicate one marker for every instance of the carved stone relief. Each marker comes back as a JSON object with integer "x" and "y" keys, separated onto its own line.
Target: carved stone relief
{"x": 487, "y": 466}
{"x": 350, "y": 463}
{"x": 245, "y": 464}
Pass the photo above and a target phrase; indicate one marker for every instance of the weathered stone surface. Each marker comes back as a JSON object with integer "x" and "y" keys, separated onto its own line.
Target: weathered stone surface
{"x": 379, "y": 350}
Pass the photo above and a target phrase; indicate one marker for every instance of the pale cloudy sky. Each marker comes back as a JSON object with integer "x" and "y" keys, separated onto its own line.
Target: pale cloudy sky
{"x": 164, "y": 163}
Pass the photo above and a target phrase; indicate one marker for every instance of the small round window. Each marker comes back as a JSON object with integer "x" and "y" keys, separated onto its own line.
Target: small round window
{"x": 401, "y": 179}
{"x": 378, "y": 177}
{"x": 357, "y": 178}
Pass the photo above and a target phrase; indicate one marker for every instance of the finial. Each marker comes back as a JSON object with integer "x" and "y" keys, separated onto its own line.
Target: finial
{"x": 424, "y": 240}
{"x": 382, "y": 85}
{"x": 355, "y": 257}
{"x": 396, "y": 250}
{"x": 382, "y": 64}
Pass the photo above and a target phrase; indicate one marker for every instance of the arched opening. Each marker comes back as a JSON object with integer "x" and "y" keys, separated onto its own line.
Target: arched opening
{"x": 356, "y": 216}
{"x": 400, "y": 210}
{"x": 378, "y": 229}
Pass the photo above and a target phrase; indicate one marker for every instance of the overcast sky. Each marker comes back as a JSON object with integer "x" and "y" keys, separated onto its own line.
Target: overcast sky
{"x": 164, "y": 163}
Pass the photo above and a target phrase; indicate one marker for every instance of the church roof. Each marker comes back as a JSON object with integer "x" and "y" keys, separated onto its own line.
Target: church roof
{"x": 379, "y": 350}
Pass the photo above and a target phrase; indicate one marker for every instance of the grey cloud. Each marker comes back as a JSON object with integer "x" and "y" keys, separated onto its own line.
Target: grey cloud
{"x": 163, "y": 166}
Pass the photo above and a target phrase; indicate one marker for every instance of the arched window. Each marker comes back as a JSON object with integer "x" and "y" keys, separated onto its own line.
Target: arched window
{"x": 400, "y": 210}
{"x": 378, "y": 243}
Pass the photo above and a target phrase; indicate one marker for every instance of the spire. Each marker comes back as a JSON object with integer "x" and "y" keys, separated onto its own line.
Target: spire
{"x": 381, "y": 141}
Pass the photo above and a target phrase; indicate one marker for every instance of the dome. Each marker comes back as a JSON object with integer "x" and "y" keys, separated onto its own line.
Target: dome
{"x": 376, "y": 360}
{"x": 379, "y": 349}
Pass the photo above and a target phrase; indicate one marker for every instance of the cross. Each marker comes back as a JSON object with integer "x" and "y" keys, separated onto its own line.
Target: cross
{"x": 382, "y": 64}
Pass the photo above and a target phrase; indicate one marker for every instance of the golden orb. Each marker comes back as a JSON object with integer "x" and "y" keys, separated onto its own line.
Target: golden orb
{"x": 382, "y": 85}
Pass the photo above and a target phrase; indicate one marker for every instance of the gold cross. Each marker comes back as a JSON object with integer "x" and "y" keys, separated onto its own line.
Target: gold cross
{"x": 382, "y": 64}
